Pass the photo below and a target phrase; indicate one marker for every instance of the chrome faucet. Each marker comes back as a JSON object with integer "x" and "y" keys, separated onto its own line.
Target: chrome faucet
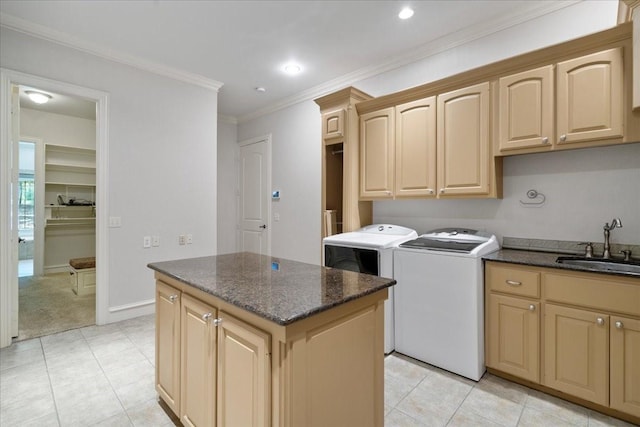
{"x": 615, "y": 222}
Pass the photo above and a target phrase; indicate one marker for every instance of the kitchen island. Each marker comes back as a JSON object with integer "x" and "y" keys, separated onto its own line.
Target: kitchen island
{"x": 250, "y": 340}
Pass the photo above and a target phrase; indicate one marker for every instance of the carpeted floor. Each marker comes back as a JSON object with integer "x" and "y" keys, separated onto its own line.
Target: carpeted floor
{"x": 48, "y": 305}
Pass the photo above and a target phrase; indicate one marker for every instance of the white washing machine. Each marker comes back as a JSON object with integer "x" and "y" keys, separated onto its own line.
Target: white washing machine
{"x": 439, "y": 306}
{"x": 370, "y": 250}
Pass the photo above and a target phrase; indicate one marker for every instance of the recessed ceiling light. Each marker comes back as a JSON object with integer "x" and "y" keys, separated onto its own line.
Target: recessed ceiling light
{"x": 292, "y": 69}
{"x": 405, "y": 13}
{"x": 38, "y": 97}
{"x": 260, "y": 89}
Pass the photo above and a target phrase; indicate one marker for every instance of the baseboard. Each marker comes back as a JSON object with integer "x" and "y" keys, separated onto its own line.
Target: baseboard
{"x": 53, "y": 269}
{"x": 129, "y": 311}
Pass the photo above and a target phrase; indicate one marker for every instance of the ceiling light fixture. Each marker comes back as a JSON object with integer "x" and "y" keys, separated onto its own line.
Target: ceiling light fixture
{"x": 38, "y": 97}
{"x": 292, "y": 69}
{"x": 260, "y": 89}
{"x": 405, "y": 13}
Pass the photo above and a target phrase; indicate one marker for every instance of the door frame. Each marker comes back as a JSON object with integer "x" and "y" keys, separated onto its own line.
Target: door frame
{"x": 264, "y": 138}
{"x": 8, "y": 268}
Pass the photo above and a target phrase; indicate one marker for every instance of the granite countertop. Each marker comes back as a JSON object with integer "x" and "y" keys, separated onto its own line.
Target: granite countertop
{"x": 543, "y": 259}
{"x": 279, "y": 290}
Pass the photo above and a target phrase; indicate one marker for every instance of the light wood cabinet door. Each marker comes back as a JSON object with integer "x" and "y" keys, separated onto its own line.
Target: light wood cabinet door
{"x": 625, "y": 365}
{"x": 525, "y": 109}
{"x": 514, "y": 336}
{"x": 377, "y": 154}
{"x": 415, "y": 141}
{"x": 168, "y": 345}
{"x": 198, "y": 386}
{"x": 244, "y": 374}
{"x": 589, "y": 97}
{"x": 577, "y": 352}
{"x": 463, "y": 141}
{"x": 333, "y": 124}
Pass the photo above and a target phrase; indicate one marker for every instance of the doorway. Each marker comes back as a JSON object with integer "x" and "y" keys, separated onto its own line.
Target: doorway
{"x": 254, "y": 234}
{"x": 10, "y": 137}
{"x": 56, "y": 197}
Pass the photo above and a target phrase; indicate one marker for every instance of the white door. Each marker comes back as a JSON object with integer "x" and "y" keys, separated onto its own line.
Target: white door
{"x": 254, "y": 196}
{"x": 15, "y": 174}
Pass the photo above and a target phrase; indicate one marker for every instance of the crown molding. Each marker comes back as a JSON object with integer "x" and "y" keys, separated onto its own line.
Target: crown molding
{"x": 434, "y": 47}
{"x": 36, "y": 30}
{"x": 224, "y": 118}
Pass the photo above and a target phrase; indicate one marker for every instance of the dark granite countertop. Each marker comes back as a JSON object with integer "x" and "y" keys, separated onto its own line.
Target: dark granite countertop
{"x": 284, "y": 294}
{"x": 542, "y": 259}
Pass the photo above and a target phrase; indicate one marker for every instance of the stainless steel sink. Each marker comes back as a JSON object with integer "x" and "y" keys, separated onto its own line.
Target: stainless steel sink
{"x": 604, "y": 265}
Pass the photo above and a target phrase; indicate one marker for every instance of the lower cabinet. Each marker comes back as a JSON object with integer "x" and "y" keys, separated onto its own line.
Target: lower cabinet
{"x": 563, "y": 330}
{"x": 577, "y": 352}
{"x": 219, "y": 369}
{"x": 514, "y": 325}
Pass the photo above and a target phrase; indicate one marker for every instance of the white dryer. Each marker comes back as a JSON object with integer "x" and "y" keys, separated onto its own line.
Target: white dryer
{"x": 370, "y": 250}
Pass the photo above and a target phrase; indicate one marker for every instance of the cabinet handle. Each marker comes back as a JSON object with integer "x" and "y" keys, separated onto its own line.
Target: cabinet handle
{"x": 532, "y": 307}
{"x": 173, "y": 298}
{"x": 545, "y": 140}
{"x": 206, "y": 316}
{"x": 217, "y": 321}
{"x": 513, "y": 283}
{"x": 563, "y": 138}
{"x": 600, "y": 321}
{"x": 619, "y": 324}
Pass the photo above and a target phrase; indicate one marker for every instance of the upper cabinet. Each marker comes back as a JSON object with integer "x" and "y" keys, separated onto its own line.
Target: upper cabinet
{"x": 377, "y": 144}
{"x": 589, "y": 104}
{"x": 415, "y": 151}
{"x": 463, "y": 142}
{"x": 589, "y": 97}
{"x": 525, "y": 112}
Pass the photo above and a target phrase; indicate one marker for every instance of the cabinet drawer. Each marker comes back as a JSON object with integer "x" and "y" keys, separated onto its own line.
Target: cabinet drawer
{"x": 594, "y": 291}
{"x": 512, "y": 280}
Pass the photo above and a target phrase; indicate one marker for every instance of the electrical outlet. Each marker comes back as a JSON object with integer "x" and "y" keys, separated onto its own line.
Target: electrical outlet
{"x": 155, "y": 241}
{"x": 115, "y": 221}
{"x": 182, "y": 239}
{"x": 146, "y": 242}
{"x": 189, "y": 239}
{"x": 276, "y": 216}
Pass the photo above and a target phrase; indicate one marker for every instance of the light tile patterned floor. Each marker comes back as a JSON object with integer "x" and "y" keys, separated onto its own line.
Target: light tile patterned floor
{"x": 104, "y": 375}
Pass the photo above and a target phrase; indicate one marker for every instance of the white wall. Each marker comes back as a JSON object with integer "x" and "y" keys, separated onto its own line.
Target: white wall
{"x": 228, "y": 152}
{"x": 58, "y": 129}
{"x": 162, "y": 158}
{"x": 583, "y": 189}
{"x": 297, "y": 154}
{"x": 296, "y": 169}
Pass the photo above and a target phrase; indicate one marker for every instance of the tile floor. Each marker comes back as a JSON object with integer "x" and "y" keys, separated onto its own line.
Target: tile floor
{"x": 104, "y": 375}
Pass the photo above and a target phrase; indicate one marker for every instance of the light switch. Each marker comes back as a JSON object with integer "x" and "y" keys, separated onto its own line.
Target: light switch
{"x": 115, "y": 221}
{"x": 146, "y": 242}
{"x": 155, "y": 241}
{"x": 276, "y": 217}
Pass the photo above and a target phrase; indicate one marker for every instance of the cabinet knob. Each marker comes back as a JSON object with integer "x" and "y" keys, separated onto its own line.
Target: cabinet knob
{"x": 206, "y": 316}
{"x": 532, "y": 307}
{"x": 563, "y": 138}
{"x": 217, "y": 321}
{"x": 388, "y": 193}
{"x": 442, "y": 191}
{"x": 545, "y": 140}
{"x": 173, "y": 298}
{"x": 513, "y": 283}
{"x": 619, "y": 324}
{"x": 430, "y": 191}
{"x": 600, "y": 321}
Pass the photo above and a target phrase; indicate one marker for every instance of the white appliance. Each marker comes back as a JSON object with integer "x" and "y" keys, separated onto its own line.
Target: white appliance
{"x": 439, "y": 305}
{"x": 369, "y": 250}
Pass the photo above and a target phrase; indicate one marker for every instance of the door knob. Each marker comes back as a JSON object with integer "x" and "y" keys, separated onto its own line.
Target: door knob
{"x": 263, "y": 226}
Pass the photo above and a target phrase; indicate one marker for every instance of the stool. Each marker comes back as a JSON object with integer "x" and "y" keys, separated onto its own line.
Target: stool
{"x": 83, "y": 275}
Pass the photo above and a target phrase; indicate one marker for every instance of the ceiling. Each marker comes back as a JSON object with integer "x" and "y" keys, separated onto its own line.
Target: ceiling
{"x": 244, "y": 44}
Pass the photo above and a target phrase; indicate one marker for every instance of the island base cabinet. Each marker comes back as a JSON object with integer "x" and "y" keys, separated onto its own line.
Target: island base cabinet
{"x": 625, "y": 365}
{"x": 244, "y": 374}
{"x": 168, "y": 345}
{"x": 577, "y": 353}
{"x": 338, "y": 372}
{"x": 198, "y": 375}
